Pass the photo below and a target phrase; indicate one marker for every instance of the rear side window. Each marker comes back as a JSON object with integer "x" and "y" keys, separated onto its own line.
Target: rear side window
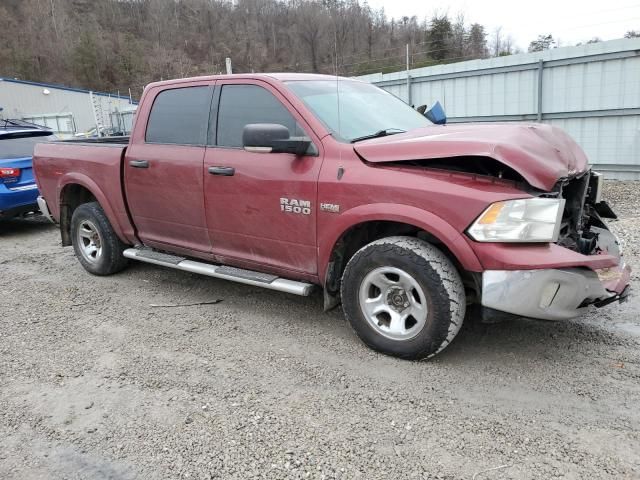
{"x": 241, "y": 105}
{"x": 21, "y": 147}
{"x": 180, "y": 116}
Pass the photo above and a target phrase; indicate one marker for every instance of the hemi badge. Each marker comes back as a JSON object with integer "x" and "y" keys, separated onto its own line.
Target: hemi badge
{"x": 330, "y": 207}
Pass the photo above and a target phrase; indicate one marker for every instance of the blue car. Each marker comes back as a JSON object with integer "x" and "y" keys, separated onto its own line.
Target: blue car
{"x": 18, "y": 189}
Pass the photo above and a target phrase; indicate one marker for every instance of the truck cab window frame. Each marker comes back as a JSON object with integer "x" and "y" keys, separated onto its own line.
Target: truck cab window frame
{"x": 180, "y": 116}
{"x": 241, "y": 104}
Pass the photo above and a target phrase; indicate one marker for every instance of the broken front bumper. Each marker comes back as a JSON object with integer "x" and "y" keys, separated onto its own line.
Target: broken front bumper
{"x": 553, "y": 294}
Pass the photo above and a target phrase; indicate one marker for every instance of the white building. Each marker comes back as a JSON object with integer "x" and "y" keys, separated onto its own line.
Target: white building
{"x": 63, "y": 109}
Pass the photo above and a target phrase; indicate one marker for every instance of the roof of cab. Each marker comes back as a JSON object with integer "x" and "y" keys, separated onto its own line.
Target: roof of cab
{"x": 282, "y": 77}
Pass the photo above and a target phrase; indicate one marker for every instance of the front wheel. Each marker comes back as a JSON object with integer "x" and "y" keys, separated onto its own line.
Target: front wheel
{"x": 96, "y": 245}
{"x": 403, "y": 297}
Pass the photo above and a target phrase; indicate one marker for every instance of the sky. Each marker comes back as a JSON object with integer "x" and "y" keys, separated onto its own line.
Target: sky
{"x": 570, "y": 21}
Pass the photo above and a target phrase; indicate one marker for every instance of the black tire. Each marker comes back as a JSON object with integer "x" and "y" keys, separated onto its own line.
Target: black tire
{"x": 440, "y": 287}
{"x": 110, "y": 259}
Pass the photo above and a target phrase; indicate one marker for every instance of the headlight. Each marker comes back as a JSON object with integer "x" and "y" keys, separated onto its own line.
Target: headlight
{"x": 526, "y": 220}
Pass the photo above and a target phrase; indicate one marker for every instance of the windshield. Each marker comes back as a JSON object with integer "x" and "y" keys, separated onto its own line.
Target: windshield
{"x": 364, "y": 108}
{"x": 21, "y": 147}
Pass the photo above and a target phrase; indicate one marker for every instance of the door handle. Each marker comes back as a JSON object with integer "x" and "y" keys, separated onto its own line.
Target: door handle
{"x": 224, "y": 171}
{"x": 139, "y": 163}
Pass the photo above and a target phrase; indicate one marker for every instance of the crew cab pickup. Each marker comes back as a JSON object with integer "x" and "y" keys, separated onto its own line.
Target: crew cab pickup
{"x": 292, "y": 181}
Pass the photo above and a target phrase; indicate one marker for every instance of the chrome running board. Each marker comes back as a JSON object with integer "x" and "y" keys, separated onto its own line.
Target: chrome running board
{"x": 248, "y": 277}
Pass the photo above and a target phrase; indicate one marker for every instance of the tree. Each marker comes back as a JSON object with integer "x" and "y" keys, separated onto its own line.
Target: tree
{"x": 632, "y": 34}
{"x": 543, "y": 42}
{"x": 477, "y": 41}
{"x": 85, "y": 59}
{"x": 115, "y": 45}
{"x": 458, "y": 42}
{"x": 439, "y": 37}
{"x": 502, "y": 45}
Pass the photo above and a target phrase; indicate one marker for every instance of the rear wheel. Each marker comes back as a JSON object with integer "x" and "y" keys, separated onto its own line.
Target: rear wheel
{"x": 96, "y": 245}
{"x": 403, "y": 297}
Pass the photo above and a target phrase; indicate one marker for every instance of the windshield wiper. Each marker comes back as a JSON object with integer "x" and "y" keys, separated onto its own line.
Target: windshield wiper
{"x": 379, "y": 133}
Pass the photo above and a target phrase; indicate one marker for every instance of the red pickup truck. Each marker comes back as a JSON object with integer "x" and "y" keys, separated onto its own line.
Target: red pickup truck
{"x": 290, "y": 181}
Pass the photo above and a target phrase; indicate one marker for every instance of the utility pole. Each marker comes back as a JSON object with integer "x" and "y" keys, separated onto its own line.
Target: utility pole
{"x": 540, "y": 69}
{"x": 408, "y": 78}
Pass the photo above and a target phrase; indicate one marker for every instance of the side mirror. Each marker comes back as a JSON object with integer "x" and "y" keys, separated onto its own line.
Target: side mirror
{"x": 436, "y": 114}
{"x": 272, "y": 138}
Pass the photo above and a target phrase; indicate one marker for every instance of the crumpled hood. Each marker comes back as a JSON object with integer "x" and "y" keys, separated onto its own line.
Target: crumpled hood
{"x": 542, "y": 154}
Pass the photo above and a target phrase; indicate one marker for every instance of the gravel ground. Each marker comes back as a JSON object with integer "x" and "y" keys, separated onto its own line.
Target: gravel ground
{"x": 98, "y": 383}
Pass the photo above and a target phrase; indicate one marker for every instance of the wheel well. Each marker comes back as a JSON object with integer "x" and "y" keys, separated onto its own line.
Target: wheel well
{"x": 364, "y": 233}
{"x": 71, "y": 197}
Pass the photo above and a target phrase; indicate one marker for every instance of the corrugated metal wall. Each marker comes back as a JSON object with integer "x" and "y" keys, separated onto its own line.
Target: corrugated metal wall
{"x": 20, "y": 99}
{"x": 591, "y": 91}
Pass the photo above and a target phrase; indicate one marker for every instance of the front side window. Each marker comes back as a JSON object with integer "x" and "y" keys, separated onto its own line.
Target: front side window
{"x": 180, "y": 116}
{"x": 242, "y": 105}
{"x": 352, "y": 109}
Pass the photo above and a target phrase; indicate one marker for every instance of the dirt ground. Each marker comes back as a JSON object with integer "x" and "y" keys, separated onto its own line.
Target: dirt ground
{"x": 97, "y": 382}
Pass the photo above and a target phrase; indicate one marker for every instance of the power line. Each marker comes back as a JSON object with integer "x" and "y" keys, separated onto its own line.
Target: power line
{"x": 577, "y": 27}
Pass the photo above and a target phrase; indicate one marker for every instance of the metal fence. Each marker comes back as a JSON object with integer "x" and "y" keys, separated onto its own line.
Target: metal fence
{"x": 591, "y": 91}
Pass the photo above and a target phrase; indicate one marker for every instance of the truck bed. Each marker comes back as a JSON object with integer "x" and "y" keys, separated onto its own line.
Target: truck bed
{"x": 124, "y": 141}
{"x": 67, "y": 170}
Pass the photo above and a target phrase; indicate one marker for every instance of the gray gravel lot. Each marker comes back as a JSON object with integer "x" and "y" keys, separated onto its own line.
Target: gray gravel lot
{"x": 97, "y": 383}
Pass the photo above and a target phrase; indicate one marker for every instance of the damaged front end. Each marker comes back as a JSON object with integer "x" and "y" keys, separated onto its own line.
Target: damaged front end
{"x": 582, "y": 229}
{"x": 547, "y": 255}
{"x": 563, "y": 293}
